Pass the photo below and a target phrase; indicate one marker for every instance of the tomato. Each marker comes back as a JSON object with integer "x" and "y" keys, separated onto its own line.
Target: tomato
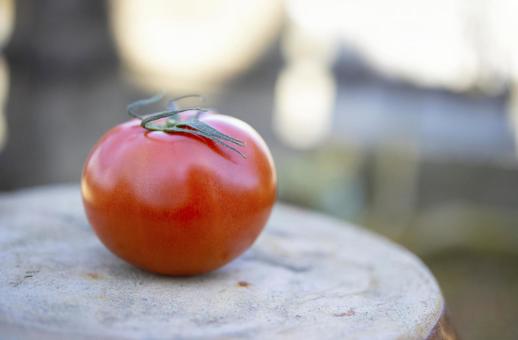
{"x": 178, "y": 203}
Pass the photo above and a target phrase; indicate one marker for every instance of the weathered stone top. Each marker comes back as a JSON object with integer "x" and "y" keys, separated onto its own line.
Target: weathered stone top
{"x": 308, "y": 276}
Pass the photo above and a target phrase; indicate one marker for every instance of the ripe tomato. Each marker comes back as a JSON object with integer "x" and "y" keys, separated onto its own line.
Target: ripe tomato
{"x": 178, "y": 203}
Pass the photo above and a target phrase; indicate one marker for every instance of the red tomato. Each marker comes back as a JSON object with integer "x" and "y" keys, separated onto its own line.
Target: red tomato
{"x": 176, "y": 203}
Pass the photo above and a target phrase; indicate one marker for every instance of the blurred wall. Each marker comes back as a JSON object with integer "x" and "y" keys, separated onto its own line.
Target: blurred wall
{"x": 65, "y": 90}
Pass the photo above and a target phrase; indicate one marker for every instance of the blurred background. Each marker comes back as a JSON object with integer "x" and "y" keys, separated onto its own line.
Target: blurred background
{"x": 399, "y": 115}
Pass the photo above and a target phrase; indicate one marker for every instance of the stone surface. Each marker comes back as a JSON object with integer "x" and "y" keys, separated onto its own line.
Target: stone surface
{"x": 308, "y": 276}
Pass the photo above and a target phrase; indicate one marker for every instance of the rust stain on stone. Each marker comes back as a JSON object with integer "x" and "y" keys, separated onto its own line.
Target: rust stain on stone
{"x": 350, "y": 312}
{"x": 93, "y": 276}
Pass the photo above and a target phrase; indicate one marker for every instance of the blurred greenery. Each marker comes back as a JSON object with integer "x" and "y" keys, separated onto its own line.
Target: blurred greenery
{"x": 469, "y": 241}
{"x": 481, "y": 290}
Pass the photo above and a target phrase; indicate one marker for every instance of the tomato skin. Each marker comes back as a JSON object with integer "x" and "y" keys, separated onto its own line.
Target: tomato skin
{"x": 174, "y": 203}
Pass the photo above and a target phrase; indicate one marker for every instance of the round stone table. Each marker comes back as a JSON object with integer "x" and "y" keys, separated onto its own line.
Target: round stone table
{"x": 307, "y": 277}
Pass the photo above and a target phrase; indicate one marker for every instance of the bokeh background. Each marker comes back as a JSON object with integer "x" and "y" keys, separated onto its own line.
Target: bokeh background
{"x": 398, "y": 115}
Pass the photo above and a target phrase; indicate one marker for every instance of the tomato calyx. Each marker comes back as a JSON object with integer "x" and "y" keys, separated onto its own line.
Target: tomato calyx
{"x": 169, "y": 121}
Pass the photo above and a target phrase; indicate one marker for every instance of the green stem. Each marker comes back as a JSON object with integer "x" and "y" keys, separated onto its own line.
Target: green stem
{"x": 193, "y": 126}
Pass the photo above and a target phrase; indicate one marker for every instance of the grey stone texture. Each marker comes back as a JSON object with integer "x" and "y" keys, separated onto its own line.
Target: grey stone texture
{"x": 307, "y": 277}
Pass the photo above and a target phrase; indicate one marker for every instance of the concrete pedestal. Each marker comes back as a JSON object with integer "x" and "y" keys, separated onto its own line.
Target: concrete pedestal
{"x": 307, "y": 277}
